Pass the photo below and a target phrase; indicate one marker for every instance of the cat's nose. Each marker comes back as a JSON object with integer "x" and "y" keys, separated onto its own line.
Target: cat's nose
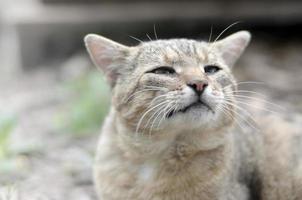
{"x": 198, "y": 86}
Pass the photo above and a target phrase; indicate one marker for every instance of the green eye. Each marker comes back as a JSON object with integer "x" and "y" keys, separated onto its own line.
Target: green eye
{"x": 163, "y": 70}
{"x": 211, "y": 69}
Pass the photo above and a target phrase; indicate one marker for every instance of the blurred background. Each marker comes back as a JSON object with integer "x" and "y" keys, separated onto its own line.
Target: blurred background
{"x": 52, "y": 100}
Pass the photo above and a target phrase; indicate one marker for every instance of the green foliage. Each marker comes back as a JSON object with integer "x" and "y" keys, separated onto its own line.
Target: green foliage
{"x": 7, "y": 124}
{"x": 10, "y": 160}
{"x": 89, "y": 105}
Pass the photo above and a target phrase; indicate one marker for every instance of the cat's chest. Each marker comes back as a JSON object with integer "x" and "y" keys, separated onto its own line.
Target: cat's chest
{"x": 157, "y": 178}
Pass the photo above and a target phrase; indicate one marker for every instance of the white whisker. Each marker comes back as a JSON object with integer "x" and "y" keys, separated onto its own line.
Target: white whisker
{"x": 149, "y": 37}
{"x": 125, "y": 100}
{"x": 155, "y": 33}
{"x": 210, "y": 37}
{"x": 241, "y": 117}
{"x": 155, "y": 113}
{"x": 148, "y": 111}
{"x": 243, "y": 97}
{"x": 222, "y": 32}
{"x": 254, "y": 106}
{"x": 166, "y": 111}
{"x": 248, "y": 114}
{"x": 136, "y": 39}
{"x": 158, "y": 115}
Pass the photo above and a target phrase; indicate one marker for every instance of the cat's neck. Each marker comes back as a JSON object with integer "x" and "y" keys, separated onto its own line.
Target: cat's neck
{"x": 145, "y": 145}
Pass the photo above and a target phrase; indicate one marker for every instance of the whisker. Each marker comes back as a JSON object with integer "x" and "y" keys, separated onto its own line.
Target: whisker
{"x": 138, "y": 92}
{"x": 155, "y": 33}
{"x": 237, "y": 120}
{"x": 240, "y": 94}
{"x": 135, "y": 38}
{"x": 248, "y": 114}
{"x": 210, "y": 37}
{"x": 242, "y": 117}
{"x": 250, "y": 82}
{"x": 149, "y": 37}
{"x": 260, "y": 108}
{"x": 158, "y": 115}
{"x": 149, "y": 110}
{"x": 258, "y": 99}
{"x": 229, "y": 115}
{"x": 227, "y": 28}
{"x": 223, "y": 110}
{"x": 244, "y": 82}
{"x": 172, "y": 109}
{"x": 148, "y": 88}
{"x": 152, "y": 86}
{"x": 153, "y": 118}
{"x": 155, "y": 112}
{"x": 165, "y": 113}
{"x": 158, "y": 97}
{"x": 250, "y": 92}
{"x": 222, "y": 32}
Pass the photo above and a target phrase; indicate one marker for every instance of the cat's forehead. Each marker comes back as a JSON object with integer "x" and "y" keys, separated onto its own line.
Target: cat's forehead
{"x": 173, "y": 50}
{"x": 184, "y": 46}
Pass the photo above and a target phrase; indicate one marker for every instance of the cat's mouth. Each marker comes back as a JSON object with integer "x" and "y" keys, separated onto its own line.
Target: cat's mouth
{"x": 195, "y": 105}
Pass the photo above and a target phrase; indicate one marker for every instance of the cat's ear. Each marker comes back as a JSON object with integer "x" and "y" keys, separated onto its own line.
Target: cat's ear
{"x": 106, "y": 55}
{"x": 231, "y": 47}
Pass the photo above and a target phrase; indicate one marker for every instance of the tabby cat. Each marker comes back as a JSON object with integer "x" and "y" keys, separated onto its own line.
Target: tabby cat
{"x": 173, "y": 131}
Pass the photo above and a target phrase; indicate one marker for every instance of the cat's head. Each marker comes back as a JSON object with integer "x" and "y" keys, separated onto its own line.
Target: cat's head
{"x": 177, "y": 84}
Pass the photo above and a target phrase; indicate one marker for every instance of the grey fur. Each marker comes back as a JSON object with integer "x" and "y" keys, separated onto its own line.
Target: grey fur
{"x": 200, "y": 154}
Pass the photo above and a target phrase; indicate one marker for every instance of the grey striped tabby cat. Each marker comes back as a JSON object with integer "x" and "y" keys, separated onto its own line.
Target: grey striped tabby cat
{"x": 174, "y": 130}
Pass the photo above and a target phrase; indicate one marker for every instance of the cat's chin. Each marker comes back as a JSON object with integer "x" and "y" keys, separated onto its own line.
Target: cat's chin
{"x": 197, "y": 116}
{"x": 197, "y": 108}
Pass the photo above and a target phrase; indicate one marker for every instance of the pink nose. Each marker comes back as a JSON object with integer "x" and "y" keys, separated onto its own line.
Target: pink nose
{"x": 198, "y": 86}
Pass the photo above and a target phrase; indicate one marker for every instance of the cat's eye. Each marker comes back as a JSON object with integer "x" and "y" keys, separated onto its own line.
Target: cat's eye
{"x": 211, "y": 69}
{"x": 163, "y": 70}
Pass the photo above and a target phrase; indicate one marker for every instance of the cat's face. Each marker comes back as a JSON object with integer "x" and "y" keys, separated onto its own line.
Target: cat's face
{"x": 171, "y": 84}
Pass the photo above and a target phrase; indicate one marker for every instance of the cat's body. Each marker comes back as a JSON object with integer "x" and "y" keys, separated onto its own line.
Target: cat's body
{"x": 171, "y": 169}
{"x": 242, "y": 168}
{"x": 172, "y": 134}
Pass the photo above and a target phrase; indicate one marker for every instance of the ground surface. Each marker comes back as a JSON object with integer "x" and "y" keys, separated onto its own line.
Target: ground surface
{"x": 55, "y": 165}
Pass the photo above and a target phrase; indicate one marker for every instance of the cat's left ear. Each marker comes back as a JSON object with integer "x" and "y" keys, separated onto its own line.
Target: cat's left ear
{"x": 231, "y": 47}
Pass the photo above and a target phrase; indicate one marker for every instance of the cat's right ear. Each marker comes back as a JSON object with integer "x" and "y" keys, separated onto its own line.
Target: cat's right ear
{"x": 106, "y": 55}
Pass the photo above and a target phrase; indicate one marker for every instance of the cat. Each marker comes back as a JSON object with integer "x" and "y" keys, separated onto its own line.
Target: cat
{"x": 171, "y": 133}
